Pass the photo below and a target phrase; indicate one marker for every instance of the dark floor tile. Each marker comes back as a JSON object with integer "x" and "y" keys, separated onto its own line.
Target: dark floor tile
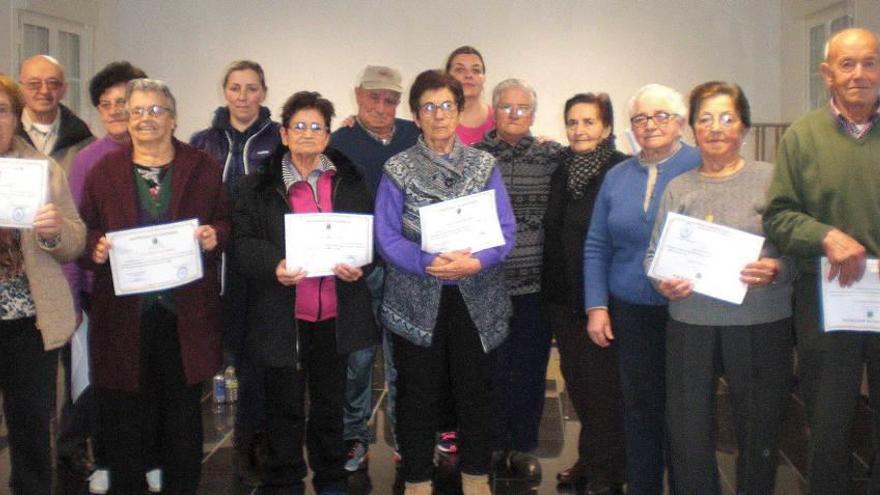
{"x": 218, "y": 474}
{"x": 568, "y": 412}
{"x": 551, "y": 433}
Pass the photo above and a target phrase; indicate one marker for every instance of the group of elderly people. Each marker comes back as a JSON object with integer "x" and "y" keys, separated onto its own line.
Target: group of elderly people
{"x": 466, "y": 334}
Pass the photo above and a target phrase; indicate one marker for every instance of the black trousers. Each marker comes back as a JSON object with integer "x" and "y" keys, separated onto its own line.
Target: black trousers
{"x": 27, "y": 381}
{"x": 640, "y": 338}
{"x": 756, "y": 360}
{"x": 830, "y": 375}
{"x": 323, "y": 370}
{"x": 521, "y": 376}
{"x": 77, "y": 419}
{"x": 592, "y": 380}
{"x": 455, "y": 356}
{"x": 160, "y": 425}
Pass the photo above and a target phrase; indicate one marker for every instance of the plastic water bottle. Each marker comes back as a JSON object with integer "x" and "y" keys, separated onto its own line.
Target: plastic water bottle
{"x": 219, "y": 389}
{"x": 231, "y": 383}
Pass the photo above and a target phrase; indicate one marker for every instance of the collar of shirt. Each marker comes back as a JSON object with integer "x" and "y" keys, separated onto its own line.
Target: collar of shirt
{"x": 40, "y": 137}
{"x": 853, "y": 129}
{"x": 647, "y": 163}
{"x": 381, "y": 140}
{"x": 290, "y": 175}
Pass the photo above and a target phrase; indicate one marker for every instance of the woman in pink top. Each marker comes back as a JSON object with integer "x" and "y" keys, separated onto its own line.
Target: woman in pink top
{"x": 466, "y": 65}
{"x": 302, "y": 327}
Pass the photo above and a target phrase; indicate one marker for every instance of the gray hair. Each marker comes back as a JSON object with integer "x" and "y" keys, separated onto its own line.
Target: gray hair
{"x": 673, "y": 99}
{"x": 506, "y": 84}
{"x": 152, "y": 86}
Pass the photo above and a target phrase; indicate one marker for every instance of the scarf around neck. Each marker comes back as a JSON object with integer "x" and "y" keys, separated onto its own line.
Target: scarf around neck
{"x": 583, "y": 167}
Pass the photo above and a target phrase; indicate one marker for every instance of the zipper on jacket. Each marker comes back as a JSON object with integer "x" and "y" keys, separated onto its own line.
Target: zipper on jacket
{"x": 228, "y": 156}
{"x": 247, "y": 143}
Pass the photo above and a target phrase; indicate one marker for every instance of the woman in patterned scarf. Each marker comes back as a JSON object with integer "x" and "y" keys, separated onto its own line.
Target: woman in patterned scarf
{"x": 36, "y": 309}
{"x": 590, "y": 371}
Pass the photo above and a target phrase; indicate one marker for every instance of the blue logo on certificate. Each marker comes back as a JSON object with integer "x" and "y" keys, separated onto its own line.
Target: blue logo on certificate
{"x": 182, "y": 272}
{"x": 686, "y": 230}
{"x": 18, "y": 215}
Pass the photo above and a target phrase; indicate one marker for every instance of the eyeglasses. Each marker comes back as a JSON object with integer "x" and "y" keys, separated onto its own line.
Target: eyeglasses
{"x": 515, "y": 110}
{"x": 6, "y": 112}
{"x": 35, "y": 84}
{"x": 107, "y": 105}
{"x": 152, "y": 110}
{"x": 661, "y": 119}
{"x": 431, "y": 108}
{"x": 726, "y": 120}
{"x": 302, "y": 127}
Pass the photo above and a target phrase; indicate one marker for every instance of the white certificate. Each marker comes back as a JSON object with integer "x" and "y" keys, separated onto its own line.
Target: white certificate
{"x": 469, "y": 222}
{"x": 711, "y": 256}
{"x": 159, "y": 257}
{"x": 856, "y": 307}
{"x": 24, "y": 188}
{"x": 316, "y": 242}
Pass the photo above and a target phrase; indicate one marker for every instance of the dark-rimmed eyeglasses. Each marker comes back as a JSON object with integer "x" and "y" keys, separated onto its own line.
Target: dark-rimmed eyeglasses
{"x": 661, "y": 119}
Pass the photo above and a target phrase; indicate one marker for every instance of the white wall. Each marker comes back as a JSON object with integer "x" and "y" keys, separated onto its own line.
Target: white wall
{"x": 561, "y": 47}
{"x": 794, "y": 43}
{"x": 99, "y": 16}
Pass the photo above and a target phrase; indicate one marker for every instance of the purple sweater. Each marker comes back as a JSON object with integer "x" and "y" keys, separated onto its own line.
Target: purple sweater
{"x": 79, "y": 279}
{"x": 408, "y": 255}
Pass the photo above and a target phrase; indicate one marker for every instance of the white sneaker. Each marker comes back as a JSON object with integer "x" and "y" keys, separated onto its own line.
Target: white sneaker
{"x": 154, "y": 480}
{"x": 99, "y": 481}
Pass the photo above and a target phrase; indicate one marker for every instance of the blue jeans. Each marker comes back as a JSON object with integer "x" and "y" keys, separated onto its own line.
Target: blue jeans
{"x": 359, "y": 376}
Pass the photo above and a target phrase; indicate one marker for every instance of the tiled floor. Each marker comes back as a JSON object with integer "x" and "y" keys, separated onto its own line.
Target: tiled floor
{"x": 557, "y": 448}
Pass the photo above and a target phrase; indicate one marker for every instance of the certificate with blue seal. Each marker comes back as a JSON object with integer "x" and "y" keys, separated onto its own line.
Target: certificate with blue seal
{"x": 24, "y": 186}
{"x": 154, "y": 258}
{"x": 709, "y": 255}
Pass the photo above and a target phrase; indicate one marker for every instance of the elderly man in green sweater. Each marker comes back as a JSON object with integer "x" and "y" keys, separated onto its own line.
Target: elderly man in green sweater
{"x": 825, "y": 201}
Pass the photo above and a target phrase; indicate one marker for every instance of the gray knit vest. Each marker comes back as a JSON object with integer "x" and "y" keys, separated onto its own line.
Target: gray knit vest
{"x": 410, "y": 303}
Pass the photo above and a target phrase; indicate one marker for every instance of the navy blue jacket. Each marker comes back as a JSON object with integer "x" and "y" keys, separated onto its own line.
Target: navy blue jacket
{"x": 238, "y": 153}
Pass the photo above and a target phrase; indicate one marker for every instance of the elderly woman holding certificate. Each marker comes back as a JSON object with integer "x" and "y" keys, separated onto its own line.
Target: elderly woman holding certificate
{"x": 152, "y": 350}
{"x": 36, "y": 308}
{"x": 302, "y": 327}
{"x": 623, "y": 309}
{"x": 448, "y": 310}
{"x": 750, "y": 343}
